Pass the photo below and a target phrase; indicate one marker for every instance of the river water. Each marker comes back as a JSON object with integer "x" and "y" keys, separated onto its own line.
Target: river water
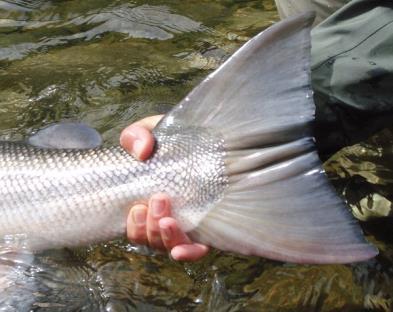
{"x": 109, "y": 63}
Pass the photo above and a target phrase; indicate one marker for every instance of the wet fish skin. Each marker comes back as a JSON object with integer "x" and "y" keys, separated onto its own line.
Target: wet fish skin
{"x": 57, "y": 198}
{"x": 236, "y": 155}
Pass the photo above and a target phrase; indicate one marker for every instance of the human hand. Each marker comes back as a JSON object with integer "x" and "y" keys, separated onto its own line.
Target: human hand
{"x": 151, "y": 224}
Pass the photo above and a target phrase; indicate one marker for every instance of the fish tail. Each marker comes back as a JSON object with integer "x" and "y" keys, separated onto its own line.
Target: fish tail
{"x": 279, "y": 203}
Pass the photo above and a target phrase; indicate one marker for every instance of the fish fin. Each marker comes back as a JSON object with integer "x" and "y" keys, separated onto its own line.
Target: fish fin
{"x": 62, "y": 135}
{"x": 261, "y": 95}
{"x": 287, "y": 211}
{"x": 278, "y": 202}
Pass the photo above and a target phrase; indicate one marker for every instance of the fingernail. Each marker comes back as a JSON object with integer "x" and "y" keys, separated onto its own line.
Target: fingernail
{"x": 139, "y": 216}
{"x": 158, "y": 206}
{"x": 137, "y": 148}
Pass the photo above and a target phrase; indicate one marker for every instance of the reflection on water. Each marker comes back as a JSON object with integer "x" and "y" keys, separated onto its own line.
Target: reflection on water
{"x": 364, "y": 172}
{"x": 110, "y": 62}
{"x": 20, "y": 5}
{"x": 143, "y": 21}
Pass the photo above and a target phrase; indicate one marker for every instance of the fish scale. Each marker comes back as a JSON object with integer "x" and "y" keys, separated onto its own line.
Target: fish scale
{"x": 236, "y": 156}
{"x": 69, "y": 197}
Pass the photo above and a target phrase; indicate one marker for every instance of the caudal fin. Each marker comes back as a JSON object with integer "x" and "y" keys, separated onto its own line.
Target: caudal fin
{"x": 278, "y": 203}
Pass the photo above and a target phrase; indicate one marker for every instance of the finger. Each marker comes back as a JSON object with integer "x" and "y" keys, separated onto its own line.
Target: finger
{"x": 171, "y": 234}
{"x": 136, "y": 224}
{"x": 189, "y": 252}
{"x": 138, "y": 141}
{"x": 150, "y": 122}
{"x": 159, "y": 207}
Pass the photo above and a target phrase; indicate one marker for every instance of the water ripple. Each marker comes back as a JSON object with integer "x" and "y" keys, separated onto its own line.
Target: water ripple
{"x": 145, "y": 21}
{"x": 20, "y": 5}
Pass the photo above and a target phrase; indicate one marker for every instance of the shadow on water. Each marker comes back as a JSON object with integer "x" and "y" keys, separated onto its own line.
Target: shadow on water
{"x": 110, "y": 62}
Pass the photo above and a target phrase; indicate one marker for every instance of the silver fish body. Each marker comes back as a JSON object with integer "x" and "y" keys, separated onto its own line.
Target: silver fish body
{"x": 54, "y": 197}
{"x": 236, "y": 156}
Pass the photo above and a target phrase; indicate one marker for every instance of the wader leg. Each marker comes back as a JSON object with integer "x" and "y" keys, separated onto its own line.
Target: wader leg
{"x": 352, "y": 73}
{"x": 323, "y": 8}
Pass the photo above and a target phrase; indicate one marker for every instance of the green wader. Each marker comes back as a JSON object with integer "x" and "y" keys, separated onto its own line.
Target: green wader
{"x": 352, "y": 78}
{"x": 352, "y": 68}
{"x": 352, "y": 73}
{"x": 323, "y": 8}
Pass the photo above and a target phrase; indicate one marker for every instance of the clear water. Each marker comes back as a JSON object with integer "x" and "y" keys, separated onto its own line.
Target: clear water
{"x": 109, "y": 63}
